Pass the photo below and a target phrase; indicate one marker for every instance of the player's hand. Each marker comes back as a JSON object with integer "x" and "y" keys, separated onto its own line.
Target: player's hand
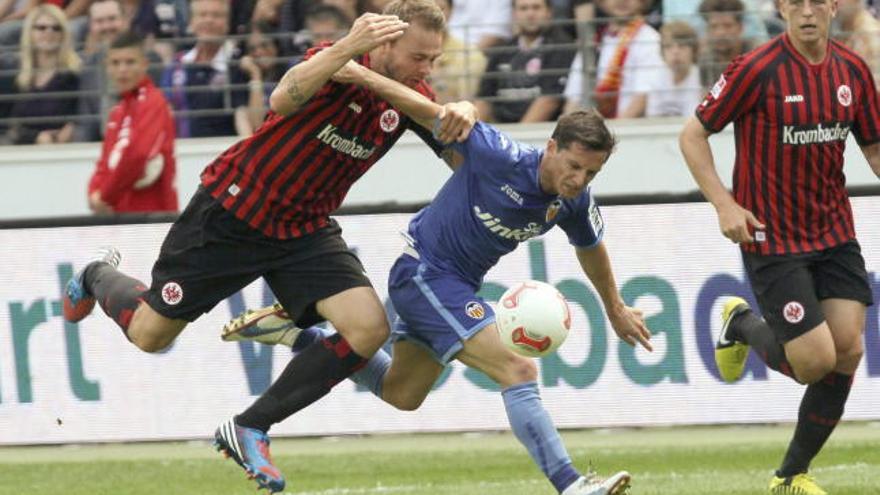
{"x": 350, "y": 73}
{"x": 737, "y": 223}
{"x": 629, "y": 325}
{"x": 371, "y": 30}
{"x": 456, "y": 121}
{"x": 97, "y": 205}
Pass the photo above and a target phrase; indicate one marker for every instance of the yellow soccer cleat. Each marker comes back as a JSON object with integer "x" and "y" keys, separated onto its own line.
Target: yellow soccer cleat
{"x": 731, "y": 355}
{"x": 270, "y": 325}
{"x": 799, "y": 484}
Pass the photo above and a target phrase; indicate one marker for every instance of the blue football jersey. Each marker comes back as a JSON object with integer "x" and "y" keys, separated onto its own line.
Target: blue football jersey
{"x": 492, "y": 203}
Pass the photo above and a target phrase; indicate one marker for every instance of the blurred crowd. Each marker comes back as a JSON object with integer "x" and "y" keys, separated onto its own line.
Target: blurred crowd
{"x": 520, "y": 60}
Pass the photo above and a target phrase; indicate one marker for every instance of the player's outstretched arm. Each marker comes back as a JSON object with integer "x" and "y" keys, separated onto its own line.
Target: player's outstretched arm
{"x": 303, "y": 80}
{"x": 733, "y": 219}
{"x": 450, "y": 122}
{"x": 628, "y": 323}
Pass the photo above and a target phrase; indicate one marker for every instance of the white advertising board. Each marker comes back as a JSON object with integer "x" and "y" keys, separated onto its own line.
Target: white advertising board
{"x": 64, "y": 383}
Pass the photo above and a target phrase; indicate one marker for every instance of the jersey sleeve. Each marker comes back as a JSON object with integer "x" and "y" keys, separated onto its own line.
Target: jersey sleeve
{"x": 489, "y": 148}
{"x": 583, "y": 224}
{"x": 735, "y": 93}
{"x": 867, "y": 125}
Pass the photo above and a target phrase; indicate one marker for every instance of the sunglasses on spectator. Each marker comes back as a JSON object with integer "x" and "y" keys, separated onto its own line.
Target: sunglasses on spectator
{"x": 46, "y": 27}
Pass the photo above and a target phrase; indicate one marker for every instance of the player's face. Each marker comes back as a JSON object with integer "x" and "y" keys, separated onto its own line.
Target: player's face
{"x": 568, "y": 171}
{"x": 410, "y": 59}
{"x": 808, "y": 21}
{"x": 126, "y": 67}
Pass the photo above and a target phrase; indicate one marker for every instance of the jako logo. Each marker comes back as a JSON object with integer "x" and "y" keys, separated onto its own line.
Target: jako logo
{"x": 493, "y": 223}
{"x": 794, "y": 98}
{"x": 349, "y": 146}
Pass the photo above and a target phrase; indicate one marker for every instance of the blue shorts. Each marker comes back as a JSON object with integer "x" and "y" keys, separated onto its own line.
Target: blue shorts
{"x": 435, "y": 308}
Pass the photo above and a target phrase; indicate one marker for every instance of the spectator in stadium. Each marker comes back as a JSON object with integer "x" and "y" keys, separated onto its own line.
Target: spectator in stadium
{"x": 434, "y": 283}
{"x": 262, "y": 210}
{"x": 351, "y": 8}
{"x": 12, "y": 21}
{"x": 264, "y": 67}
{"x": 759, "y": 19}
{"x": 793, "y": 102}
{"x": 458, "y": 70}
{"x": 724, "y": 39}
{"x": 677, "y": 91}
{"x": 198, "y": 82}
{"x": 322, "y": 24}
{"x": 629, "y": 63}
{"x": 859, "y": 30}
{"x": 106, "y": 22}
{"x": 136, "y": 170}
{"x": 482, "y": 24}
{"x": 525, "y": 75}
{"x": 47, "y": 65}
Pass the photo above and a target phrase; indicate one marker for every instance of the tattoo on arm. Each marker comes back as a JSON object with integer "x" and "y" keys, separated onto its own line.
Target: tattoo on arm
{"x": 295, "y": 94}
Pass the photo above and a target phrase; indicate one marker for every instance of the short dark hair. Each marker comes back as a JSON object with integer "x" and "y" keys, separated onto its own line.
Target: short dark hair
{"x": 128, "y": 39}
{"x": 426, "y": 13}
{"x": 586, "y": 128}
{"x": 546, "y": 4}
{"x": 321, "y": 12}
{"x": 734, "y": 7}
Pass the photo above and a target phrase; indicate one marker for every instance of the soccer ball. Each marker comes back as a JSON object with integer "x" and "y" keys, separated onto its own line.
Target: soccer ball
{"x": 533, "y": 318}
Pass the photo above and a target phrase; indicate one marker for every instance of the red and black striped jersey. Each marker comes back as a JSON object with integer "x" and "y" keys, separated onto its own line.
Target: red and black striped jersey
{"x": 288, "y": 177}
{"x": 791, "y": 121}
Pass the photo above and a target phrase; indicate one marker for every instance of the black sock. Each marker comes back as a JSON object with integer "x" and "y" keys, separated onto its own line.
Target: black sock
{"x": 118, "y": 294}
{"x": 821, "y": 409}
{"x": 309, "y": 376}
{"x": 754, "y": 331}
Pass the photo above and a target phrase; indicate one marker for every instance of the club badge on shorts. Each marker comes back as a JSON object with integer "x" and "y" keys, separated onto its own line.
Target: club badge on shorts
{"x": 475, "y": 310}
{"x": 172, "y": 293}
{"x": 389, "y": 120}
{"x": 793, "y": 312}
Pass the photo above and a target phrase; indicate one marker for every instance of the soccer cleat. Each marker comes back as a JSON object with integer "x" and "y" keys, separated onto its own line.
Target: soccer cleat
{"x": 250, "y": 449}
{"x": 799, "y": 484}
{"x": 618, "y": 484}
{"x": 78, "y": 302}
{"x": 270, "y": 325}
{"x": 731, "y": 355}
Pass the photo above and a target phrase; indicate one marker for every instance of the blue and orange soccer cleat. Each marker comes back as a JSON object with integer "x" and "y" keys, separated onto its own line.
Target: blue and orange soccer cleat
{"x": 78, "y": 302}
{"x": 250, "y": 449}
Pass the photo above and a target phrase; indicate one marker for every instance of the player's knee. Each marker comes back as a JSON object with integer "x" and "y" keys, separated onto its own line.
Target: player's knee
{"x": 521, "y": 370}
{"x": 368, "y": 335}
{"x": 814, "y": 370}
{"x": 150, "y": 342}
{"x": 848, "y": 359}
{"x": 403, "y": 400}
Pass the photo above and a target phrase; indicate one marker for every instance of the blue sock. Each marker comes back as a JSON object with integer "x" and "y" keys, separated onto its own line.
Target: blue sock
{"x": 533, "y": 427}
{"x": 370, "y": 376}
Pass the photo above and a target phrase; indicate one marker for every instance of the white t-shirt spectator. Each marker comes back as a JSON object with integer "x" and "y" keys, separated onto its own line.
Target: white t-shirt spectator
{"x": 641, "y": 68}
{"x": 470, "y": 20}
{"x": 666, "y": 98}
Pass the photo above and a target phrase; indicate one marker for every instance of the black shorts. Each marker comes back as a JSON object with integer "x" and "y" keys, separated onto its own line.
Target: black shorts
{"x": 789, "y": 288}
{"x": 209, "y": 254}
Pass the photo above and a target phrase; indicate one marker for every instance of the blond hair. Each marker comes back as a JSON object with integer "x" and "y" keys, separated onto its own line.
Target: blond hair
{"x": 426, "y": 13}
{"x": 67, "y": 57}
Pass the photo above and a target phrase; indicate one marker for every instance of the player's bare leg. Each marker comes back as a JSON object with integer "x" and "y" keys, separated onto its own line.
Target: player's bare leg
{"x": 120, "y": 296}
{"x": 529, "y": 420}
{"x": 839, "y": 337}
{"x": 410, "y": 377}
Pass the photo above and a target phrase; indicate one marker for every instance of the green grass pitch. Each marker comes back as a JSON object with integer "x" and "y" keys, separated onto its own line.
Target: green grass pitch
{"x": 679, "y": 461}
